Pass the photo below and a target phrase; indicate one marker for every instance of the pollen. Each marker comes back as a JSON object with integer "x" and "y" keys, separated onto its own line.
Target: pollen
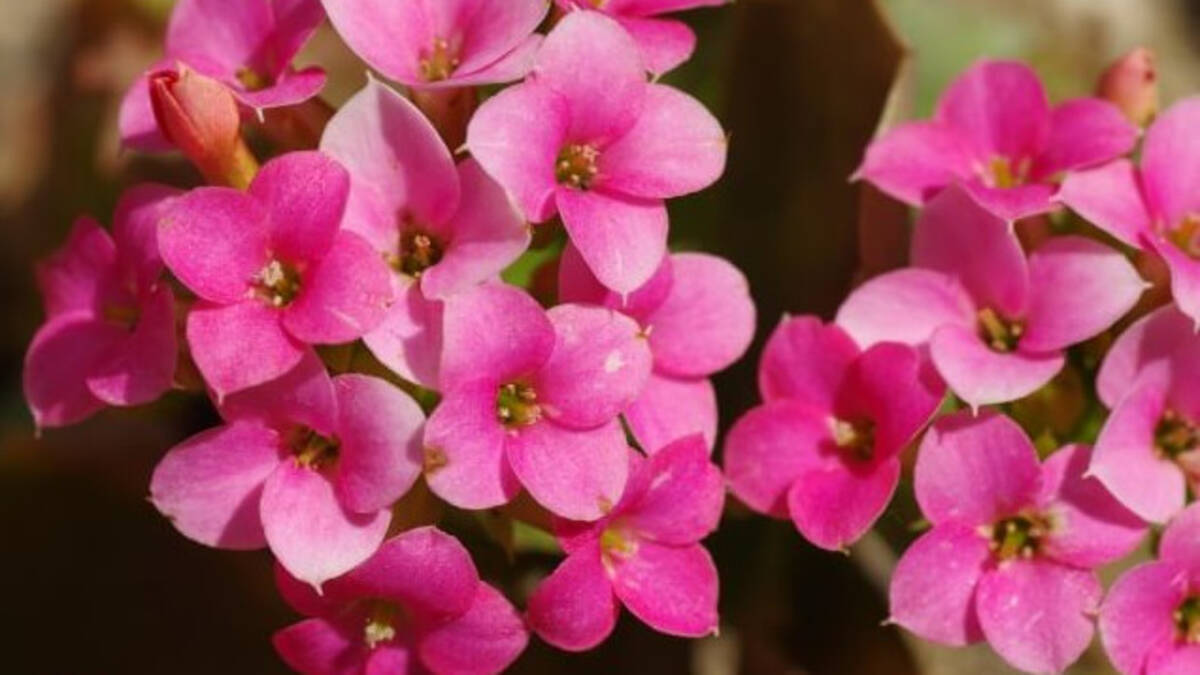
{"x": 517, "y": 406}
{"x": 440, "y": 62}
{"x": 576, "y": 166}
{"x": 278, "y": 283}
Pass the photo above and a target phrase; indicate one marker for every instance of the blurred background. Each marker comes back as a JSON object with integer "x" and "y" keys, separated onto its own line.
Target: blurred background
{"x": 93, "y": 580}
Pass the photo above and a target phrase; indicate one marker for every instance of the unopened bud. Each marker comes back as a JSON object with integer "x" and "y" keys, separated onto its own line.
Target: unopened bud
{"x": 200, "y": 117}
{"x": 1131, "y": 83}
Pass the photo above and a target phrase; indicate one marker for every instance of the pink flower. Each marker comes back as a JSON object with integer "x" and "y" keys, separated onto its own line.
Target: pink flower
{"x": 417, "y": 605}
{"x": 1151, "y": 339}
{"x": 1011, "y": 555}
{"x": 587, "y": 137}
{"x": 645, "y": 555}
{"x": 531, "y": 398}
{"x": 306, "y": 465}
{"x": 248, "y": 46}
{"x": 664, "y": 43}
{"x": 272, "y": 270}
{"x": 995, "y": 134}
{"x": 824, "y": 447}
{"x": 698, "y": 317}
{"x": 450, "y": 43}
{"x": 1156, "y": 208}
{"x": 109, "y": 336}
{"x": 996, "y": 323}
{"x": 1150, "y": 621}
{"x": 441, "y": 228}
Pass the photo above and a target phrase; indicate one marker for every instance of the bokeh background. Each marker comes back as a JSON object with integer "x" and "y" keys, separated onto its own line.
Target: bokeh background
{"x": 93, "y": 580}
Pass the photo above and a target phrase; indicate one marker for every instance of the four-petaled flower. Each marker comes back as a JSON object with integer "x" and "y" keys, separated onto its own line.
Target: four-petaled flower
{"x": 664, "y": 43}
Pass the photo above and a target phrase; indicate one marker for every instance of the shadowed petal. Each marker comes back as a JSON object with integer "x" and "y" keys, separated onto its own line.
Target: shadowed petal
{"x": 343, "y": 297}
{"x": 1110, "y": 197}
{"x": 61, "y": 355}
{"x": 381, "y": 442}
{"x": 575, "y": 608}
{"x": 486, "y": 639}
{"x": 239, "y": 346}
{"x": 1152, "y": 338}
{"x": 1135, "y": 619}
{"x": 409, "y": 339}
{"x": 464, "y": 447}
{"x": 914, "y": 161}
{"x": 833, "y": 506}
{"x": 622, "y": 240}
{"x": 805, "y": 360}
{"x": 981, "y": 375}
{"x": 576, "y": 474}
{"x": 906, "y": 306}
{"x": 770, "y": 447}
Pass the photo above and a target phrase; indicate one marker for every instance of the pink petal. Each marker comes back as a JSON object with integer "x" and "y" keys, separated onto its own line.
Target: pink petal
{"x": 391, "y": 657}
{"x": 1185, "y": 278}
{"x": 575, "y": 608}
{"x": 932, "y": 592}
{"x": 1084, "y": 132}
{"x": 834, "y": 505}
{"x": 974, "y": 470}
{"x": 1135, "y": 619}
{"x": 329, "y": 647}
{"x": 215, "y": 241}
{"x": 655, "y": 7}
{"x": 61, "y": 355}
{"x": 676, "y": 147}
{"x": 508, "y": 68}
{"x": 599, "y": 366}
{"x": 137, "y": 126}
{"x": 486, "y": 639}
{"x": 915, "y": 160}
{"x": 622, "y": 240}
{"x": 309, "y": 531}
{"x": 896, "y": 389}
{"x": 575, "y": 474}
{"x": 304, "y": 598}
{"x": 670, "y": 408}
{"x": 1110, "y": 197}
{"x": 1037, "y": 614}
{"x": 576, "y": 283}
{"x": 906, "y": 306}
{"x": 343, "y": 297}
{"x": 381, "y": 443}
{"x": 1171, "y": 162}
{"x": 135, "y": 230}
{"x": 226, "y": 38}
{"x": 999, "y": 108}
{"x": 980, "y": 375}
{"x": 665, "y": 43}
{"x": 672, "y": 589}
{"x": 957, "y": 236}
{"x": 1151, "y": 339}
{"x": 1015, "y": 203}
{"x": 769, "y": 448}
{"x": 493, "y": 332}
{"x": 210, "y": 485}
{"x": 304, "y": 395}
{"x": 388, "y": 35}
{"x": 1182, "y": 660}
{"x": 292, "y": 87}
{"x": 466, "y": 436}
{"x": 239, "y": 346}
{"x": 425, "y": 570}
{"x": 496, "y": 29}
{"x": 682, "y": 496}
{"x": 141, "y": 367}
{"x": 79, "y": 276}
{"x": 1181, "y": 540}
{"x": 805, "y": 360}
{"x": 409, "y": 339}
{"x": 305, "y": 193}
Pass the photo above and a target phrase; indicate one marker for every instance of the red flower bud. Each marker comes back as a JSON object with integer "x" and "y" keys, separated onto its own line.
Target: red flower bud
{"x": 1131, "y": 83}
{"x": 200, "y": 116}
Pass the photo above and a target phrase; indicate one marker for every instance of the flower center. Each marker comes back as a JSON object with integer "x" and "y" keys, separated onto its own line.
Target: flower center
{"x": 1186, "y": 235}
{"x": 278, "y": 283}
{"x": 616, "y": 541}
{"x": 417, "y": 252}
{"x": 1175, "y": 434}
{"x": 516, "y": 405}
{"x": 440, "y": 62}
{"x": 311, "y": 449}
{"x": 1187, "y": 619}
{"x": 576, "y": 165}
{"x": 1017, "y": 536}
{"x": 251, "y": 79}
{"x": 124, "y": 316}
{"x": 1001, "y": 334}
{"x": 381, "y": 623}
{"x": 1001, "y": 173}
{"x": 856, "y": 439}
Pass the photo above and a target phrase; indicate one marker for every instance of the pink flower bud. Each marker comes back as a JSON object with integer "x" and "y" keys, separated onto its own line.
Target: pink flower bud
{"x": 1131, "y": 82}
{"x": 200, "y": 116}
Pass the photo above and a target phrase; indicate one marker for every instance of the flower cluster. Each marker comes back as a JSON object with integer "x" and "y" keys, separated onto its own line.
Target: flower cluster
{"x": 343, "y": 306}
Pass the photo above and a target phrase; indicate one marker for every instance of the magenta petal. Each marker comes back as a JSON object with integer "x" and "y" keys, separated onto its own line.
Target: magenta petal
{"x": 980, "y": 375}
{"x": 210, "y": 485}
{"x": 599, "y": 365}
{"x": 1185, "y": 278}
{"x": 805, "y": 360}
{"x": 664, "y": 43}
{"x": 1171, "y": 162}
{"x": 496, "y": 28}
{"x": 305, "y": 193}
{"x": 834, "y": 505}
{"x": 1084, "y": 132}
{"x": 80, "y": 274}
{"x": 975, "y": 469}
{"x": 895, "y": 387}
{"x": 141, "y": 367}
{"x": 682, "y": 496}
{"x": 304, "y": 598}
{"x": 343, "y": 297}
{"x": 1181, "y": 660}
{"x": 676, "y": 147}
{"x": 576, "y": 283}
{"x": 1000, "y": 108}
{"x": 510, "y": 67}
{"x": 494, "y": 331}
{"x": 932, "y": 592}
{"x": 1152, "y": 338}
{"x": 137, "y": 126}
{"x": 467, "y": 440}
{"x": 239, "y": 346}
{"x": 670, "y": 408}
{"x": 388, "y": 35}
{"x": 576, "y": 474}
{"x": 291, "y": 87}
{"x": 215, "y": 240}
{"x": 486, "y": 639}
{"x": 135, "y": 230}
{"x": 1037, "y": 614}
{"x": 380, "y": 434}
{"x": 304, "y": 395}
{"x": 914, "y": 161}
{"x": 424, "y": 570}
{"x": 322, "y": 646}
{"x": 409, "y": 339}
{"x": 958, "y": 237}
{"x": 61, "y": 355}
{"x": 672, "y": 589}
{"x": 1110, "y": 197}
{"x": 264, "y": 35}
{"x": 1013, "y": 203}
{"x": 1135, "y": 619}
{"x": 1181, "y": 539}
{"x": 622, "y": 240}
{"x": 309, "y": 531}
{"x": 906, "y": 306}
{"x": 769, "y": 448}
{"x": 575, "y": 608}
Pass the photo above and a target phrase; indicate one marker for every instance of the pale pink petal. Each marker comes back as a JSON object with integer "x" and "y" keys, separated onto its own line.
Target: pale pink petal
{"x": 343, "y": 297}
{"x": 304, "y": 395}
{"x": 1083, "y": 132}
{"x": 486, "y": 639}
{"x": 135, "y": 230}
{"x": 142, "y": 366}
{"x": 974, "y": 470}
{"x": 61, "y": 355}
{"x": 464, "y": 441}
{"x": 1152, "y": 338}
{"x": 380, "y": 442}
{"x": 905, "y": 306}
{"x": 575, "y": 608}
{"x": 388, "y": 35}
{"x": 425, "y": 570}
{"x": 599, "y": 365}
{"x": 623, "y": 240}
{"x": 896, "y": 389}
{"x": 576, "y": 283}
{"x": 495, "y": 29}
{"x": 999, "y": 108}
{"x": 220, "y": 36}
{"x": 575, "y": 474}
{"x": 409, "y": 339}
{"x": 136, "y": 123}
{"x": 508, "y": 68}
{"x": 1181, "y": 540}
{"x": 770, "y": 447}
{"x": 665, "y": 43}
{"x": 914, "y": 161}
{"x": 1013, "y": 203}
{"x": 290, "y": 88}
{"x": 672, "y": 589}
{"x": 309, "y": 531}
{"x": 325, "y": 646}
{"x": 682, "y": 496}
{"x": 833, "y": 506}
{"x": 932, "y": 592}
{"x": 305, "y": 193}
{"x": 239, "y": 346}
{"x": 1185, "y": 278}
{"x": 1110, "y": 197}
{"x": 979, "y": 375}
{"x": 493, "y": 332}
{"x": 80, "y": 275}
{"x": 676, "y": 147}
{"x": 805, "y": 360}
{"x": 215, "y": 240}
{"x": 1037, "y": 614}
{"x": 210, "y": 485}
{"x": 1135, "y": 619}
{"x": 670, "y": 408}
{"x": 1171, "y": 162}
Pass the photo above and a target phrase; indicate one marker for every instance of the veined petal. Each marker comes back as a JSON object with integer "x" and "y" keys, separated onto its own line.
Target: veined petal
{"x": 906, "y": 306}
{"x": 575, "y": 474}
{"x": 623, "y": 240}
{"x": 671, "y": 588}
{"x": 932, "y": 592}
{"x": 670, "y": 408}
{"x": 575, "y": 608}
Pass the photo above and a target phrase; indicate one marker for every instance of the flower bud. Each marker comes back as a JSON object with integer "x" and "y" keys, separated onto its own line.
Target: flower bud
{"x": 1131, "y": 83}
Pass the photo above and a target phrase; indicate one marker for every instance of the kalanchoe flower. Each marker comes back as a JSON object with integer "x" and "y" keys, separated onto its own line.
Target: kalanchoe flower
{"x": 450, "y": 43}
{"x": 1150, "y": 621}
{"x": 824, "y": 447}
{"x": 607, "y": 149}
{"x": 441, "y": 228}
{"x": 109, "y": 336}
{"x": 1131, "y": 83}
{"x": 698, "y": 317}
{"x": 1011, "y": 555}
{"x": 247, "y": 46}
{"x": 995, "y": 134}
{"x": 1151, "y": 339}
{"x": 417, "y": 605}
{"x": 644, "y": 555}
{"x": 1156, "y": 208}
{"x": 531, "y": 398}
{"x": 664, "y": 43}
{"x": 996, "y": 323}
{"x": 273, "y": 271}
{"x": 306, "y": 465}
